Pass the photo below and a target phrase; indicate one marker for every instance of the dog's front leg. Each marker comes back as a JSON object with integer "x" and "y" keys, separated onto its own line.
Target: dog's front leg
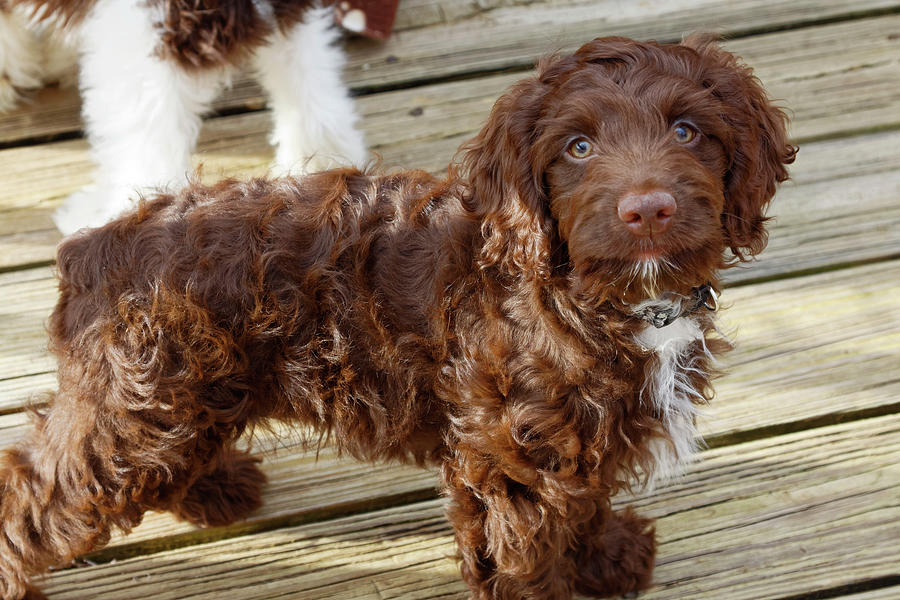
{"x": 142, "y": 112}
{"x": 514, "y": 543}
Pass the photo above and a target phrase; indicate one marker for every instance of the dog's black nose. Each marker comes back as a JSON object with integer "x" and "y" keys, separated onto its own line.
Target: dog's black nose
{"x": 648, "y": 213}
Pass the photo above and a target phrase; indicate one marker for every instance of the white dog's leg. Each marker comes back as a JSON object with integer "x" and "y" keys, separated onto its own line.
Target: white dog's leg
{"x": 20, "y": 58}
{"x": 313, "y": 115}
{"x": 142, "y": 113}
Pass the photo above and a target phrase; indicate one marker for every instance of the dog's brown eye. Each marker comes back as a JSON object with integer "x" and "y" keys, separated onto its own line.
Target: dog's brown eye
{"x": 580, "y": 148}
{"x": 684, "y": 133}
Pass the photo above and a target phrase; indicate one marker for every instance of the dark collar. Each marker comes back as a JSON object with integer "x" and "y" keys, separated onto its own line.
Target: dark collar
{"x": 665, "y": 312}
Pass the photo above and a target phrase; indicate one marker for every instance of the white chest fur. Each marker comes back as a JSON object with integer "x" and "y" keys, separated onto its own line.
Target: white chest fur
{"x": 667, "y": 385}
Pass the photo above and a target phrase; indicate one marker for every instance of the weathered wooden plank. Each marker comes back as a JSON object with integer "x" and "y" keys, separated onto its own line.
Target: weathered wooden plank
{"x": 472, "y": 37}
{"x": 841, "y": 207}
{"x": 28, "y": 297}
{"x": 823, "y": 94}
{"x": 422, "y": 127}
{"x": 17, "y": 392}
{"x": 494, "y": 40}
{"x": 812, "y": 349}
{"x": 793, "y": 507}
{"x": 849, "y": 221}
{"x": 13, "y": 427}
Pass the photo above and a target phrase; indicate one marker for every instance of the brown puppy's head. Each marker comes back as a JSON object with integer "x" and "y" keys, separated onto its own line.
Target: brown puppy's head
{"x": 635, "y": 165}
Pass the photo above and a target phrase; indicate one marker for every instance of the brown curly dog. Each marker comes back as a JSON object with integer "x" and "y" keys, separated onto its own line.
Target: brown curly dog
{"x": 537, "y": 323}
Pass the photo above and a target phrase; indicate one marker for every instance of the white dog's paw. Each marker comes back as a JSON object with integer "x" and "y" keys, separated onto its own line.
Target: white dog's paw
{"x": 326, "y": 148}
{"x": 92, "y": 206}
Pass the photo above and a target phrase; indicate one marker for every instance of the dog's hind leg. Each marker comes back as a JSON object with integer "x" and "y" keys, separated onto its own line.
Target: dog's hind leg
{"x": 313, "y": 115}
{"x": 114, "y": 443}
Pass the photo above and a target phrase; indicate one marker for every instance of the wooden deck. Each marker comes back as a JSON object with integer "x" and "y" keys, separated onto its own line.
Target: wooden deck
{"x": 798, "y": 495}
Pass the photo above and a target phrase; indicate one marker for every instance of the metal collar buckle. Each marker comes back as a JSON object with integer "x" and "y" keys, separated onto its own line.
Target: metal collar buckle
{"x": 660, "y": 316}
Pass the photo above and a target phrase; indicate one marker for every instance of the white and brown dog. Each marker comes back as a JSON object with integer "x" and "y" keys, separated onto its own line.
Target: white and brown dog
{"x": 149, "y": 69}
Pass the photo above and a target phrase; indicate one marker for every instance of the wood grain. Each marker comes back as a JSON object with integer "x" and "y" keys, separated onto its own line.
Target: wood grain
{"x": 793, "y": 507}
{"x": 447, "y": 38}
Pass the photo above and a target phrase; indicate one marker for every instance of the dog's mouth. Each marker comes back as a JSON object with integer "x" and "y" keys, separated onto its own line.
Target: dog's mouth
{"x": 649, "y": 254}
{"x": 649, "y": 250}
{"x": 674, "y": 245}
{"x": 639, "y": 274}
{"x": 609, "y": 261}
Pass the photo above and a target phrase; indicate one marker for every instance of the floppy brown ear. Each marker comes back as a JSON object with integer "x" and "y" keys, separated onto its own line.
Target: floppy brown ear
{"x": 760, "y": 151}
{"x": 505, "y": 189}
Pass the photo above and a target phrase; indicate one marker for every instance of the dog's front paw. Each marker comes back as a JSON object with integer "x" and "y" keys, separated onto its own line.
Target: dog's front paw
{"x": 619, "y": 561}
{"x": 228, "y": 494}
{"x": 328, "y": 150}
{"x": 10, "y": 95}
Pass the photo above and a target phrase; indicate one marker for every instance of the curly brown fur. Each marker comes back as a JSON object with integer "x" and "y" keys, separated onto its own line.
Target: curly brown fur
{"x": 196, "y": 34}
{"x": 200, "y": 34}
{"x": 481, "y": 322}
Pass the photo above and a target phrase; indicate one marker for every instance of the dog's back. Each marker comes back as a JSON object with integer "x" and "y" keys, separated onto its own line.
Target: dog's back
{"x": 257, "y": 289}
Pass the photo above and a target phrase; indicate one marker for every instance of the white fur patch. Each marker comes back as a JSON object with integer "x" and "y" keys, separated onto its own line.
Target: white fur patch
{"x": 34, "y": 52}
{"x": 668, "y": 386}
